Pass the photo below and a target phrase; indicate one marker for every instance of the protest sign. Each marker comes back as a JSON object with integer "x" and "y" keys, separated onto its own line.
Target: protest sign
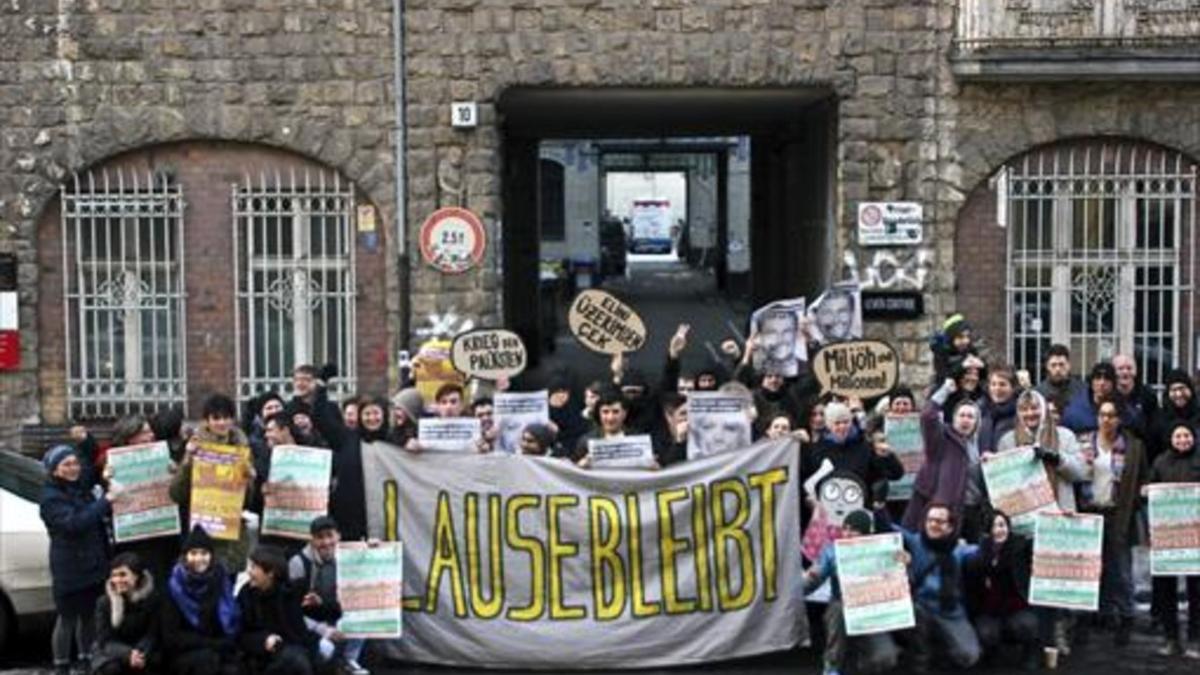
{"x": 298, "y": 490}
{"x": 717, "y": 422}
{"x": 369, "y": 582}
{"x": 145, "y": 509}
{"x": 622, "y": 452}
{"x": 861, "y": 369}
{"x": 904, "y": 437}
{"x": 451, "y": 434}
{"x": 1017, "y": 484}
{"x": 513, "y": 411}
{"x": 782, "y": 345}
{"x": 219, "y": 477}
{"x": 604, "y": 324}
{"x": 875, "y": 594}
{"x": 836, "y": 316}
{"x": 1066, "y": 561}
{"x": 520, "y": 563}
{"x": 1174, "y": 529}
{"x": 489, "y": 354}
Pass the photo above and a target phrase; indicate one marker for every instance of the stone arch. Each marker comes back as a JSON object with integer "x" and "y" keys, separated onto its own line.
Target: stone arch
{"x": 207, "y": 170}
{"x": 981, "y": 282}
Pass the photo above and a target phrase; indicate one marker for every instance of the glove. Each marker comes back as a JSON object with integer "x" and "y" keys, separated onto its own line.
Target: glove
{"x": 1048, "y": 456}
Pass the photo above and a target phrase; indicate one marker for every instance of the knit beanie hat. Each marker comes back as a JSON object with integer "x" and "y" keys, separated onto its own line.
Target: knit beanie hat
{"x": 1179, "y": 376}
{"x": 859, "y": 520}
{"x": 55, "y": 456}
{"x": 197, "y": 539}
{"x": 410, "y": 400}
{"x": 955, "y": 325}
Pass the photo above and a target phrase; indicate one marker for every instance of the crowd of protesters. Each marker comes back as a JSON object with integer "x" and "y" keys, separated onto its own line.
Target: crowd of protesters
{"x": 170, "y": 604}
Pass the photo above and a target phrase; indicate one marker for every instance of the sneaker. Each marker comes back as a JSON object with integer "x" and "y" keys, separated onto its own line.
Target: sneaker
{"x": 1170, "y": 648}
{"x": 352, "y": 667}
{"x": 1193, "y": 651}
{"x": 1061, "y": 640}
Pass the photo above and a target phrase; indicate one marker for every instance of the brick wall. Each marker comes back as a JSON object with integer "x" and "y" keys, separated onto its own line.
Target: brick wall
{"x": 980, "y": 281}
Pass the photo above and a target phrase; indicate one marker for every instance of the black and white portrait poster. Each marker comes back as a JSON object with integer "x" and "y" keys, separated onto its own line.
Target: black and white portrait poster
{"x": 836, "y": 316}
{"x": 717, "y": 422}
{"x": 513, "y": 411}
{"x": 781, "y": 342}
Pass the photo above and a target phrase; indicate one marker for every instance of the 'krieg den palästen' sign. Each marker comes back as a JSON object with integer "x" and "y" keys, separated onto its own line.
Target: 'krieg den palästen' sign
{"x": 604, "y": 324}
{"x": 489, "y": 353}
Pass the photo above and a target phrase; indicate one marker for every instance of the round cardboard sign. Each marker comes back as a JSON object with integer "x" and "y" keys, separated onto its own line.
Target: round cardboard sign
{"x": 861, "y": 368}
{"x": 489, "y": 353}
{"x": 452, "y": 240}
{"x": 604, "y": 324}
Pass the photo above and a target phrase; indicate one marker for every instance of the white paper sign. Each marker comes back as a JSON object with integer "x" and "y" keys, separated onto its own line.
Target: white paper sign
{"x": 450, "y": 434}
{"x": 717, "y": 423}
{"x": 624, "y": 452}
{"x": 782, "y": 345}
{"x": 513, "y": 411}
{"x": 890, "y": 223}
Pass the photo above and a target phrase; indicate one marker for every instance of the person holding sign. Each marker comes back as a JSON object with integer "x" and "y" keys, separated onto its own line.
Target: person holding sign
{"x": 876, "y": 652}
{"x": 1053, "y": 445}
{"x": 74, "y": 519}
{"x": 609, "y": 413}
{"x": 848, "y": 449}
{"x": 218, "y": 428}
{"x": 274, "y": 635}
{"x": 997, "y": 585}
{"x": 951, "y": 453}
{"x": 1180, "y": 464}
{"x": 1115, "y": 469}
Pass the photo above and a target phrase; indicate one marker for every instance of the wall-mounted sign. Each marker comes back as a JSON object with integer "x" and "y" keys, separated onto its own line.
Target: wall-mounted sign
{"x": 10, "y": 349}
{"x": 890, "y": 223}
{"x": 452, "y": 240}
{"x": 894, "y": 306}
{"x": 488, "y": 353}
{"x": 464, "y": 114}
{"x": 863, "y": 368}
{"x": 604, "y": 324}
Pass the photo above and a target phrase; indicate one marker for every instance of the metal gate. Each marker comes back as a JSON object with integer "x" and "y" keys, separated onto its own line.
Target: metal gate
{"x": 1101, "y": 251}
{"x": 294, "y": 280}
{"x": 123, "y": 296}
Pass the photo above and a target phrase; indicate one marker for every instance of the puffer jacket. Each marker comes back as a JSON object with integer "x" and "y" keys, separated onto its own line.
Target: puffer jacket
{"x": 75, "y": 521}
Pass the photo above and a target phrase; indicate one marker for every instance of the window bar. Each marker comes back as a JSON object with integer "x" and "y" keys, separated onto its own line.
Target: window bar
{"x": 91, "y": 344}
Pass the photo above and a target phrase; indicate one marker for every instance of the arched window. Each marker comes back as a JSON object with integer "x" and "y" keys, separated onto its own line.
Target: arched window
{"x": 552, "y": 200}
{"x": 1101, "y": 248}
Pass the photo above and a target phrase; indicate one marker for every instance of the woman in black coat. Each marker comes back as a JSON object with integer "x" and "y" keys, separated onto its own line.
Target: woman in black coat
{"x": 75, "y": 521}
{"x": 200, "y": 616}
{"x": 127, "y": 619}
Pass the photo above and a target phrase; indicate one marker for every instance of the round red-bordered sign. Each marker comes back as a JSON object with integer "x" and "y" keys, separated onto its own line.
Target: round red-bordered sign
{"x": 452, "y": 240}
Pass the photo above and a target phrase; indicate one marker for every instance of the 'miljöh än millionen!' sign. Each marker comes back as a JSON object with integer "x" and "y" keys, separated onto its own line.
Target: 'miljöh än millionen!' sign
{"x": 862, "y": 368}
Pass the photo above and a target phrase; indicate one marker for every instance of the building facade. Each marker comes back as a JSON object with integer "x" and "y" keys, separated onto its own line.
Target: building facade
{"x": 197, "y": 194}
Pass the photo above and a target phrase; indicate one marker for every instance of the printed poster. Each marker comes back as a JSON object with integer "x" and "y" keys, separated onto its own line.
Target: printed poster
{"x": 513, "y": 411}
{"x": 836, "y": 316}
{"x": 1066, "y": 561}
{"x": 297, "y": 490}
{"x": 623, "y": 452}
{"x": 717, "y": 423}
{"x": 875, "y": 593}
{"x": 782, "y": 344}
{"x": 219, "y": 477}
{"x": 145, "y": 509}
{"x": 1017, "y": 485}
{"x": 448, "y": 434}
{"x": 368, "y": 588}
{"x": 904, "y": 436}
{"x": 1174, "y": 529}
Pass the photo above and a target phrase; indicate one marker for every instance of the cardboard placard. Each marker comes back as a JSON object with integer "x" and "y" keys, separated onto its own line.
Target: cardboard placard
{"x": 1066, "y": 561}
{"x": 489, "y": 353}
{"x": 875, "y": 592}
{"x": 219, "y": 477}
{"x": 1017, "y": 485}
{"x": 604, "y": 324}
{"x": 145, "y": 509}
{"x": 369, "y": 580}
{"x": 299, "y": 493}
{"x": 623, "y": 452}
{"x": 1174, "y": 529}
{"x": 904, "y": 436}
{"x": 862, "y": 368}
{"x": 448, "y": 434}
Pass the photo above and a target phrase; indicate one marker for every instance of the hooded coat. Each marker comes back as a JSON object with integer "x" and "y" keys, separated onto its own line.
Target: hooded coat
{"x": 129, "y": 622}
{"x": 943, "y": 478}
{"x": 1070, "y": 468}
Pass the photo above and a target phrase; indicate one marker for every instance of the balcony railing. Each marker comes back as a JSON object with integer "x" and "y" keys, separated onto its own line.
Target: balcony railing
{"x": 1068, "y": 38}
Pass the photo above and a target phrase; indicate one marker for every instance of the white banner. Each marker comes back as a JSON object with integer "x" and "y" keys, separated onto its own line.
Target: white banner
{"x": 532, "y": 562}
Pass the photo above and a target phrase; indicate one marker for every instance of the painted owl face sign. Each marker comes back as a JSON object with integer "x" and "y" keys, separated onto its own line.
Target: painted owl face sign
{"x": 840, "y": 494}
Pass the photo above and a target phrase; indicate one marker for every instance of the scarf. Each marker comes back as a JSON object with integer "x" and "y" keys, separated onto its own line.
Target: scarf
{"x": 191, "y": 591}
{"x": 947, "y": 568}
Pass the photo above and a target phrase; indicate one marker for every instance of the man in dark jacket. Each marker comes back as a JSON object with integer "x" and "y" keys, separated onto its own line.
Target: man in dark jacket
{"x": 1059, "y": 384}
{"x": 274, "y": 635}
{"x": 1137, "y": 397}
{"x": 313, "y": 571}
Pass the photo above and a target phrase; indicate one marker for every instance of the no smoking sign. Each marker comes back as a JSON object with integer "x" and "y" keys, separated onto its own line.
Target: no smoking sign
{"x": 453, "y": 240}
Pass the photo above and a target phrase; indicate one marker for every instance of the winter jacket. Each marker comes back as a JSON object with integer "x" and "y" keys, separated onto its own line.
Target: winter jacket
{"x": 75, "y": 521}
{"x": 308, "y": 573}
{"x": 1176, "y": 467}
{"x": 179, "y": 637}
{"x": 925, "y": 576}
{"x": 996, "y": 420}
{"x": 1062, "y": 393}
{"x": 1143, "y": 403}
{"x": 1080, "y": 414}
{"x": 130, "y": 620}
{"x": 996, "y": 581}
{"x": 272, "y": 612}
{"x": 1165, "y": 419}
{"x": 854, "y": 454}
{"x": 1134, "y": 475}
{"x": 348, "y": 502}
{"x": 943, "y": 477}
{"x": 232, "y": 554}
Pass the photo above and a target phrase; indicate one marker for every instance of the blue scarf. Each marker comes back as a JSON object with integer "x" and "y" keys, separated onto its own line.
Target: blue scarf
{"x": 188, "y": 590}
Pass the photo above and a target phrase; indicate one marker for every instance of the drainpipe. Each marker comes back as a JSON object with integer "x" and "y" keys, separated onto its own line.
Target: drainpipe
{"x": 400, "y": 130}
